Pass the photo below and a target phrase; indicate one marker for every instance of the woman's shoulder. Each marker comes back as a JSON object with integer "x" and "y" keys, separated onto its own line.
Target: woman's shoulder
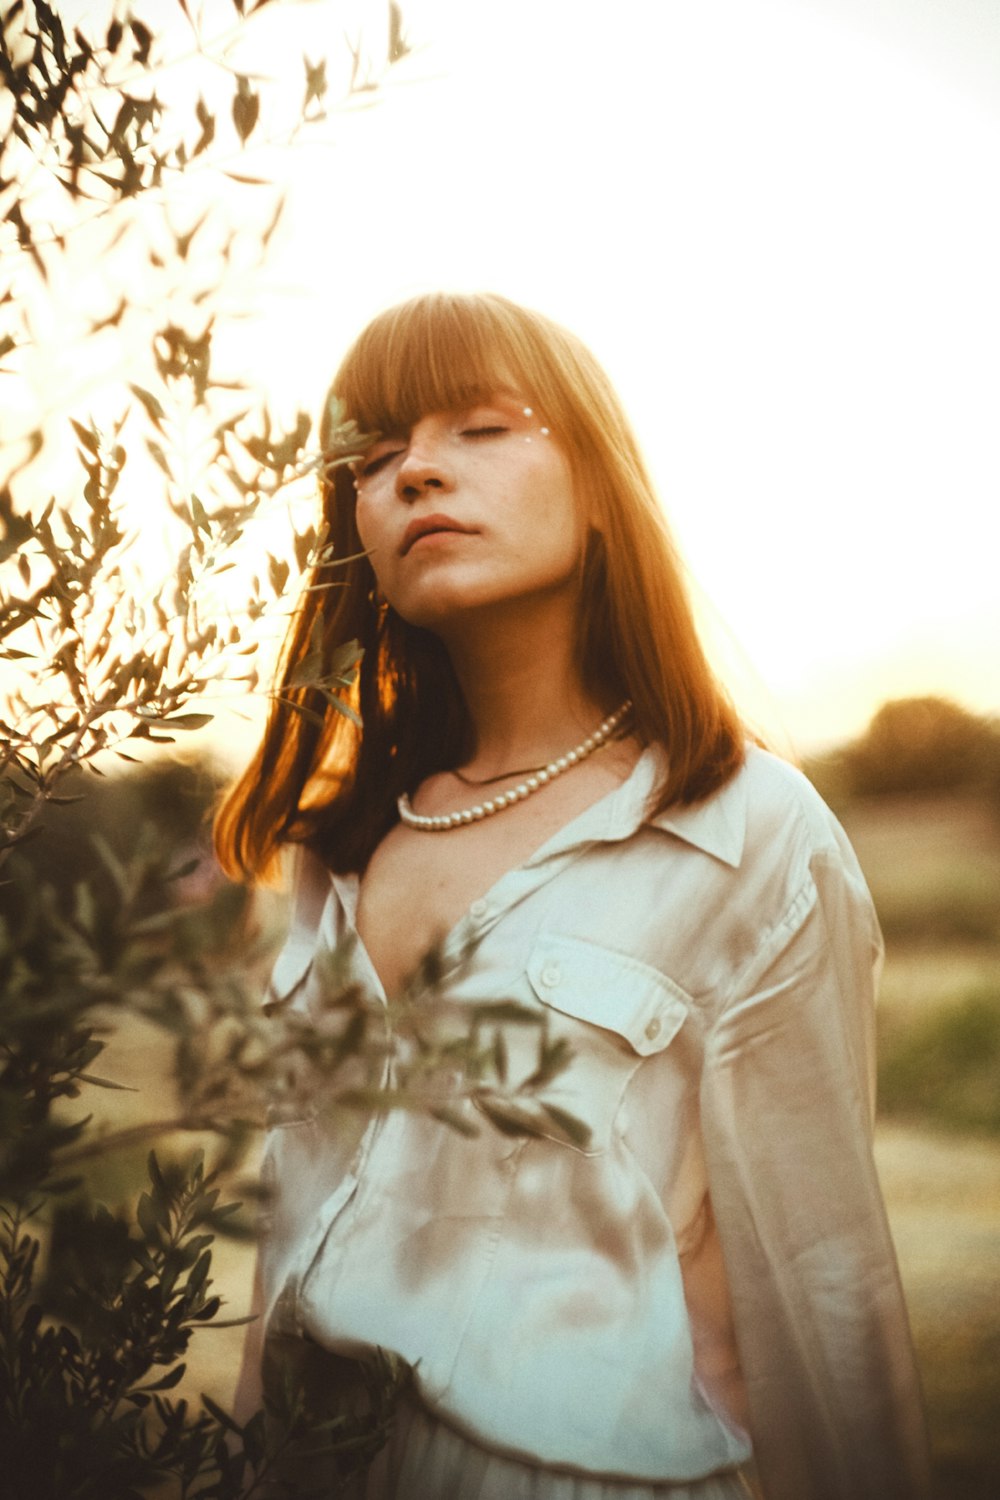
{"x": 783, "y": 812}
{"x": 775, "y": 788}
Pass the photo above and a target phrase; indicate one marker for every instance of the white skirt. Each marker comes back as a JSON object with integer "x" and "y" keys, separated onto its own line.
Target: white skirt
{"x": 425, "y": 1459}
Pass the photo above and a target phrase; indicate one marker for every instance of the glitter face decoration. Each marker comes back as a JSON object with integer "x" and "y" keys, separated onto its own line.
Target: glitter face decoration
{"x": 528, "y": 411}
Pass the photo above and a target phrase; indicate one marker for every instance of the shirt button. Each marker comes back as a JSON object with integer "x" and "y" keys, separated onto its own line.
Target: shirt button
{"x": 551, "y": 975}
{"x": 478, "y": 909}
{"x": 653, "y": 1029}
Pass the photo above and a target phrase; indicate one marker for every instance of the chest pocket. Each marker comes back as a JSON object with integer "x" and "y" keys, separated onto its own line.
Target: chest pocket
{"x": 614, "y": 1011}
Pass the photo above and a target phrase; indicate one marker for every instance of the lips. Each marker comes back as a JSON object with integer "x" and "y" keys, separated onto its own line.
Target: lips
{"x": 426, "y": 525}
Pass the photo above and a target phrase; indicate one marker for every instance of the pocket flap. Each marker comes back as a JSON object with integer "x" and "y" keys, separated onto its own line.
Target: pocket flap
{"x": 608, "y": 989}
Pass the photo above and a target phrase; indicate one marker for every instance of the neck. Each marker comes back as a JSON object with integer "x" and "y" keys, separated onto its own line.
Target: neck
{"x": 523, "y": 689}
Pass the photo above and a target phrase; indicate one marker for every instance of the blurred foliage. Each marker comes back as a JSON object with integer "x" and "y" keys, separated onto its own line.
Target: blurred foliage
{"x": 914, "y": 746}
{"x": 958, "y": 905}
{"x": 944, "y": 1067}
{"x": 169, "y": 800}
{"x": 917, "y": 792}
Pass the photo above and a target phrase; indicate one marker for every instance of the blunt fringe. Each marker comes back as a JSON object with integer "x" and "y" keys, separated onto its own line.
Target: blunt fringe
{"x": 320, "y": 780}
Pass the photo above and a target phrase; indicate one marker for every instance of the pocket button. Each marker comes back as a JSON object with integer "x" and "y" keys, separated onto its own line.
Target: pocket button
{"x": 653, "y": 1029}
{"x": 551, "y": 975}
{"x": 478, "y": 909}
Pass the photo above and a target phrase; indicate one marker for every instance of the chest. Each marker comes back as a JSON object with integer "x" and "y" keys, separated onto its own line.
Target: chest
{"x": 418, "y": 885}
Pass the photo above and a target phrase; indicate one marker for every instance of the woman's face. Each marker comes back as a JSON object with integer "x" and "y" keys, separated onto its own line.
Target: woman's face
{"x": 470, "y": 509}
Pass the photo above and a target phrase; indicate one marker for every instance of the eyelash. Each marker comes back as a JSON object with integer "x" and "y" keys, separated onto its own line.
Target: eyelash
{"x": 367, "y": 470}
{"x": 383, "y": 458}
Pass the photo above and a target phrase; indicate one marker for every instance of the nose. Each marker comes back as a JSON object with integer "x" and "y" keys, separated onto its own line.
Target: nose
{"x": 424, "y": 467}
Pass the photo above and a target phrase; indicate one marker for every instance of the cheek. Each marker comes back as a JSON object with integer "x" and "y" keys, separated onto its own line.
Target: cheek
{"x": 369, "y": 518}
{"x": 366, "y": 521}
{"x": 362, "y": 521}
{"x": 567, "y": 514}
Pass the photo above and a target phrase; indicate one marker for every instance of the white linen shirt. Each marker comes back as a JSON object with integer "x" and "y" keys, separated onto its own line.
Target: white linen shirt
{"x": 716, "y": 1262}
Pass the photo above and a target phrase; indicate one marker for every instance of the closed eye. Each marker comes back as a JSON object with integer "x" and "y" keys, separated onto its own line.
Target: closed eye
{"x": 475, "y": 432}
{"x": 378, "y": 462}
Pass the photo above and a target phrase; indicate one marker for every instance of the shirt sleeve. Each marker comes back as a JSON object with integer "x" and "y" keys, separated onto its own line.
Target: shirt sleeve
{"x": 787, "y": 1101}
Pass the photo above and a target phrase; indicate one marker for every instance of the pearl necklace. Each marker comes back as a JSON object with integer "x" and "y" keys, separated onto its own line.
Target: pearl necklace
{"x": 532, "y": 783}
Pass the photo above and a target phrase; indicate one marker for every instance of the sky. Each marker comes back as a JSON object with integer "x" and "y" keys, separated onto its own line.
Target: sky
{"x": 776, "y": 223}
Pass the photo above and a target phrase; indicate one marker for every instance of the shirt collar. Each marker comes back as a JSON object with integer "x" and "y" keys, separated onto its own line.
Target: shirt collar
{"x": 716, "y": 825}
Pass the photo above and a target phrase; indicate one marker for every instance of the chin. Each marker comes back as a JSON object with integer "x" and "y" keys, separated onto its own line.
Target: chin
{"x": 438, "y": 606}
{"x": 441, "y": 619}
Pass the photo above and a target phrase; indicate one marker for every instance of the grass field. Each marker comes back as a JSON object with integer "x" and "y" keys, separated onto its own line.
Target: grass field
{"x": 934, "y": 867}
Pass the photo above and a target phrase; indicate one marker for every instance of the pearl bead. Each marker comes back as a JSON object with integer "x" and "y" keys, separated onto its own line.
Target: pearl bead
{"x": 571, "y": 757}
{"x": 478, "y": 812}
{"x": 532, "y": 783}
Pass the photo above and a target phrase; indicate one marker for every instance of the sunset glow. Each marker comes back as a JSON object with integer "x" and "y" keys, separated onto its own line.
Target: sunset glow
{"x": 777, "y": 226}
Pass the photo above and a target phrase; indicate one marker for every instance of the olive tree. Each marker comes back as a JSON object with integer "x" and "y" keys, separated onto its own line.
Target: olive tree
{"x": 104, "y": 659}
{"x": 100, "y": 657}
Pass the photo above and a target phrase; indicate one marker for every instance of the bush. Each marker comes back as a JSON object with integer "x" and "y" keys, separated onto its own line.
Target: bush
{"x": 945, "y": 1068}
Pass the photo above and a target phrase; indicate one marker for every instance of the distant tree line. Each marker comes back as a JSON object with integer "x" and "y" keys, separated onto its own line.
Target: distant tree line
{"x": 915, "y": 745}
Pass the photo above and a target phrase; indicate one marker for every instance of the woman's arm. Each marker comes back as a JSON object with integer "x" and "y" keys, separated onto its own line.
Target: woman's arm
{"x": 787, "y": 1096}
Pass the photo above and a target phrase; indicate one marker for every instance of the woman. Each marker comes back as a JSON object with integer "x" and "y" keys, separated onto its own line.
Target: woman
{"x": 550, "y": 783}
